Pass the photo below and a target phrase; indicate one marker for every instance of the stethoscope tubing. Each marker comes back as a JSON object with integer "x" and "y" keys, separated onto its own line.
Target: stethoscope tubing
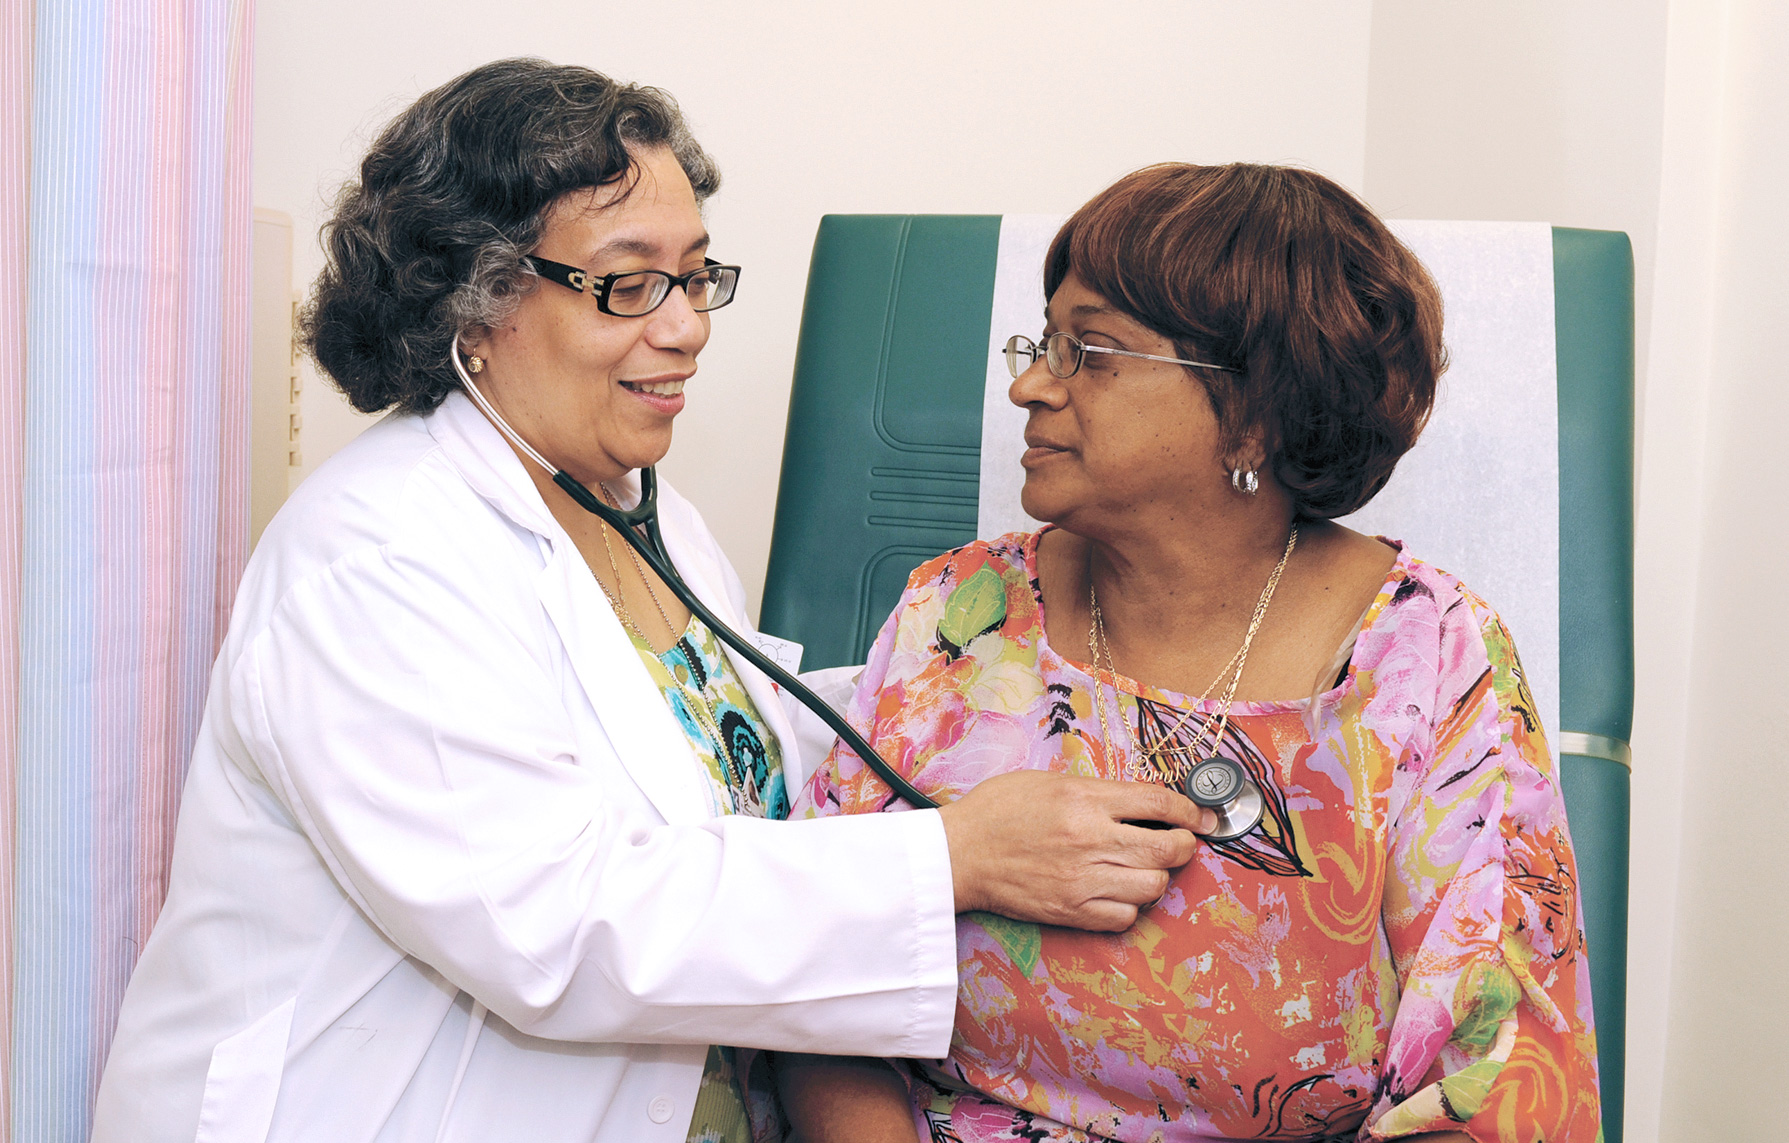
{"x": 651, "y": 549}
{"x": 643, "y": 517}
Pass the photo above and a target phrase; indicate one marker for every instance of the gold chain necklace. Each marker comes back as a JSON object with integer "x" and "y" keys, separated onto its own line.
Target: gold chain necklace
{"x": 614, "y": 596}
{"x": 1186, "y": 757}
{"x": 701, "y": 707}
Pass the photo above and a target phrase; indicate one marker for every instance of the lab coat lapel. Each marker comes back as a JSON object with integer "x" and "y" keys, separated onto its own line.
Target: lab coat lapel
{"x": 646, "y": 737}
{"x": 639, "y": 724}
{"x": 487, "y": 463}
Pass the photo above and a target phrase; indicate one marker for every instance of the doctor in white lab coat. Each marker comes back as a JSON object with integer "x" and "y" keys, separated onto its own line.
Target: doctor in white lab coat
{"x": 447, "y": 868}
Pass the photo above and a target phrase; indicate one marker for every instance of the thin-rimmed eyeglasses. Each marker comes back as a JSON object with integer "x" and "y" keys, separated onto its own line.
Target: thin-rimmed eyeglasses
{"x": 1064, "y": 352}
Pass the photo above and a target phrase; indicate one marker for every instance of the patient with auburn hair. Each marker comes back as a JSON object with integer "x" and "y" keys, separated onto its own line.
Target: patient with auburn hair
{"x": 1231, "y": 358}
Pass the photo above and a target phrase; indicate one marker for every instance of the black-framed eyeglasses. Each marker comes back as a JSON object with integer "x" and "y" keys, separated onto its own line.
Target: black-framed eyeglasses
{"x": 636, "y": 293}
{"x": 1064, "y": 352}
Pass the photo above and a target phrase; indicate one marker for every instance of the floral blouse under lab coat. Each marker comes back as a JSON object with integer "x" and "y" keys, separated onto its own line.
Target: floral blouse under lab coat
{"x": 1398, "y": 949}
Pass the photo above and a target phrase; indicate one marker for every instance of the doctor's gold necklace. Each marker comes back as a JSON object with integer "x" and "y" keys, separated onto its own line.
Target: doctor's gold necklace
{"x": 699, "y": 704}
{"x": 1170, "y": 763}
{"x": 614, "y": 597}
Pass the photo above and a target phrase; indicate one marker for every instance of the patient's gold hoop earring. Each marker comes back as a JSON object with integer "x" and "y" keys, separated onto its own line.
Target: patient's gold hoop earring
{"x": 1243, "y": 480}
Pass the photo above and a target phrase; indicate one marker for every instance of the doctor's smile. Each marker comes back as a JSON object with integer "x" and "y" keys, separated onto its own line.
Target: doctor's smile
{"x": 590, "y": 366}
{"x": 665, "y": 387}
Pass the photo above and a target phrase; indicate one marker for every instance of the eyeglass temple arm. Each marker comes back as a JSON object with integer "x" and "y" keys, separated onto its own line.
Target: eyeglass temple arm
{"x": 1152, "y": 357}
{"x": 561, "y": 273}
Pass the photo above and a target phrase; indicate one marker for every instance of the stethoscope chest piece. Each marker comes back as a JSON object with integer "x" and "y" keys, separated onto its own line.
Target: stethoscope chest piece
{"x": 1221, "y": 785}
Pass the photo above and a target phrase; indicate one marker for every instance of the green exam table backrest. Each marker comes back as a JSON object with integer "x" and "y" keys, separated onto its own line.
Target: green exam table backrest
{"x": 881, "y": 471}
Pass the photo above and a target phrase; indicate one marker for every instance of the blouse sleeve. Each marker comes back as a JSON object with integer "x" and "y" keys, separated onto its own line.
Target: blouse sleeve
{"x": 843, "y": 784}
{"x": 1493, "y": 1034}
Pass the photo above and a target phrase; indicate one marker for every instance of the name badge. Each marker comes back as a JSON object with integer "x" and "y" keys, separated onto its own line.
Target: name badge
{"x": 785, "y": 653}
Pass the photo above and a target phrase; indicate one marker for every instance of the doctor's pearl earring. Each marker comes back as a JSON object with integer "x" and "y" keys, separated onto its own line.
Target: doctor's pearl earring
{"x": 475, "y": 364}
{"x": 1243, "y": 480}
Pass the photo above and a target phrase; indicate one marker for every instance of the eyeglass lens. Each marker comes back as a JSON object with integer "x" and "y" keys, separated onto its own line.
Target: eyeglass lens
{"x": 1062, "y": 353}
{"x": 1020, "y": 353}
{"x": 631, "y": 295}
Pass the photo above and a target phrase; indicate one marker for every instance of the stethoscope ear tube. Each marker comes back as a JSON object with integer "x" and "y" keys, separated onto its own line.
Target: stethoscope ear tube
{"x": 651, "y": 549}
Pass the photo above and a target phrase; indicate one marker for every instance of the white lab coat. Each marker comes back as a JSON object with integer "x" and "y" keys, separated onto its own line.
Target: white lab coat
{"x": 446, "y": 869}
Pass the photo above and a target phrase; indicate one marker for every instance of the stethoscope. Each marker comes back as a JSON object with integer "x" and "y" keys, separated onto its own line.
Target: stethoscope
{"x": 1223, "y": 787}
{"x": 639, "y": 527}
{"x": 1216, "y": 783}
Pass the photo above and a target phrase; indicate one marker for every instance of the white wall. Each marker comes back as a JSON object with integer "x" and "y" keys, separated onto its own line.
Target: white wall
{"x": 273, "y": 360}
{"x": 811, "y": 108}
{"x": 1525, "y": 110}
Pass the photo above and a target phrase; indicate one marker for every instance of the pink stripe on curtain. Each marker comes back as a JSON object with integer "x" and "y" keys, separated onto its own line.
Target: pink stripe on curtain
{"x": 135, "y": 327}
{"x": 237, "y": 319}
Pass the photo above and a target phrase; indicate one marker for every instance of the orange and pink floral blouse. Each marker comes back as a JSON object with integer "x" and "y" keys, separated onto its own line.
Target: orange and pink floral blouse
{"x": 1396, "y": 949}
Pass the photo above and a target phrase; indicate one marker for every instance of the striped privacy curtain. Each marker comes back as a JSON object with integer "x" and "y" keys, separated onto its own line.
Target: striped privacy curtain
{"x": 124, "y": 327}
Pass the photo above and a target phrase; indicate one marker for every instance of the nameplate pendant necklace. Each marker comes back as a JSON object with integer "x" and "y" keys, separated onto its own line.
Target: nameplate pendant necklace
{"x": 1219, "y": 784}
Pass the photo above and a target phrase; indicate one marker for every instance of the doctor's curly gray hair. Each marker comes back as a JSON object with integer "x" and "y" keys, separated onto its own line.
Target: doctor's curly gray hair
{"x": 428, "y": 243}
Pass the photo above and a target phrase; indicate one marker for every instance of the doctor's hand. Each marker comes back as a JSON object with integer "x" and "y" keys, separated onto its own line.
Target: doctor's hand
{"x": 1058, "y": 850}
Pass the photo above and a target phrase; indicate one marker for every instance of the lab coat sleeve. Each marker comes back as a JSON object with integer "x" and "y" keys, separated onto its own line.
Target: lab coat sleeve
{"x": 401, "y": 704}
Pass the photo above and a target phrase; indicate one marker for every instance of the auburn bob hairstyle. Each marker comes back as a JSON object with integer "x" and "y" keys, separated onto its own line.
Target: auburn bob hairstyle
{"x": 1332, "y": 324}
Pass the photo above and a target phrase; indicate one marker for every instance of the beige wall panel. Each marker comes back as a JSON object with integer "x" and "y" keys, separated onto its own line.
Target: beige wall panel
{"x": 270, "y": 435}
{"x": 1727, "y": 1055}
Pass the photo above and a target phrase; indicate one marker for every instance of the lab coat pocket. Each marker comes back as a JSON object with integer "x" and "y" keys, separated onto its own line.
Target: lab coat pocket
{"x": 275, "y": 1078}
{"x": 243, "y": 1082}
